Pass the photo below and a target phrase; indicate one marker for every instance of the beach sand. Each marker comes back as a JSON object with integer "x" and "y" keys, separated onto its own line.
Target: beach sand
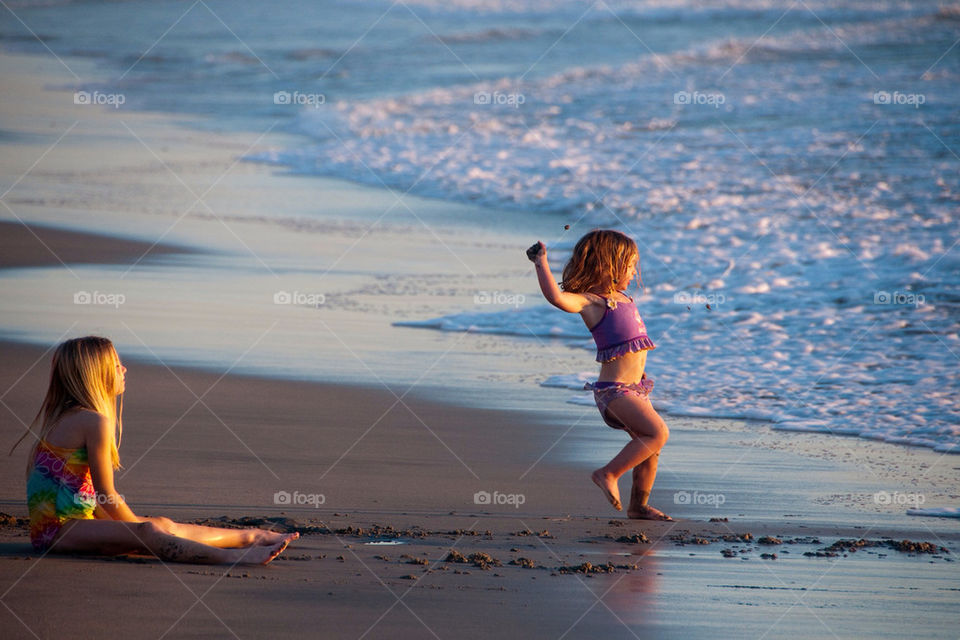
{"x": 202, "y": 446}
{"x": 224, "y": 459}
{"x": 395, "y": 462}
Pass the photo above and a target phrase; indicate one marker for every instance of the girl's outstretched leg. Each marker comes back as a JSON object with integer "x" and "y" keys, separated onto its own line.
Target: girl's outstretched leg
{"x": 648, "y": 435}
{"x": 221, "y": 537}
{"x": 113, "y": 537}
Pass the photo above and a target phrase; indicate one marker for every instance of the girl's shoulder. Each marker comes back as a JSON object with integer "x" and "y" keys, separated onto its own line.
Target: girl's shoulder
{"x": 609, "y": 299}
{"x": 594, "y": 312}
{"x": 595, "y": 299}
{"x": 73, "y": 429}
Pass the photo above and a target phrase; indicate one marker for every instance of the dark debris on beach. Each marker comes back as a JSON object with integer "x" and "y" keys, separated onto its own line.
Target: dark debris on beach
{"x": 903, "y": 546}
{"x": 737, "y": 545}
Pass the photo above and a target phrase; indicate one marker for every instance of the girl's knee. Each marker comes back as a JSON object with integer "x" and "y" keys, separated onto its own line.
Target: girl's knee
{"x": 148, "y": 529}
{"x": 164, "y": 524}
{"x": 662, "y": 435}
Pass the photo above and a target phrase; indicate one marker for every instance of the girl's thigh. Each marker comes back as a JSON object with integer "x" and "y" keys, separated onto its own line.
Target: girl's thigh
{"x": 106, "y": 537}
{"x": 638, "y": 417}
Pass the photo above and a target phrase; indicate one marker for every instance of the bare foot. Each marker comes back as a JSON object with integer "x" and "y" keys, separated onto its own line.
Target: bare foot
{"x": 261, "y": 554}
{"x": 607, "y": 484}
{"x": 646, "y": 512}
{"x": 265, "y": 537}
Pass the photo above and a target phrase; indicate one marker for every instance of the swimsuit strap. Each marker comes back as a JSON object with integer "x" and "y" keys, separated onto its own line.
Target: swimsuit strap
{"x": 54, "y": 447}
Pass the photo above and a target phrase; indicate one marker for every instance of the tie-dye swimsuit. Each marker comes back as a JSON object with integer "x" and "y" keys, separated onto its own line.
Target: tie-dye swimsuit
{"x": 59, "y": 488}
{"x": 619, "y": 331}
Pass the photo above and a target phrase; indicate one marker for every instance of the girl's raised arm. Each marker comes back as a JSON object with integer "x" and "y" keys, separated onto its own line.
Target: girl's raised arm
{"x": 99, "y": 434}
{"x": 563, "y": 300}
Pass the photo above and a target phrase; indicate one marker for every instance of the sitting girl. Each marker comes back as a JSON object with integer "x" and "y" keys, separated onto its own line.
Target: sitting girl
{"x": 74, "y": 507}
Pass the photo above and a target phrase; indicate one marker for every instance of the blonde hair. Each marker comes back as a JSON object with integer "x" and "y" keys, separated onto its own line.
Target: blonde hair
{"x": 84, "y": 374}
{"x": 599, "y": 260}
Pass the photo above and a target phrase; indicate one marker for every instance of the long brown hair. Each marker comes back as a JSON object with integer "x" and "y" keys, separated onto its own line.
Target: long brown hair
{"x": 84, "y": 374}
{"x": 599, "y": 260}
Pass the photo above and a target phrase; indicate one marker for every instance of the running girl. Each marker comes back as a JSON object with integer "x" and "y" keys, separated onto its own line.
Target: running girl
{"x": 74, "y": 507}
{"x": 594, "y": 283}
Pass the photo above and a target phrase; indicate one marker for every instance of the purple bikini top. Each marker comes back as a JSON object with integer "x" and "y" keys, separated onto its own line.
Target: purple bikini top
{"x": 620, "y": 331}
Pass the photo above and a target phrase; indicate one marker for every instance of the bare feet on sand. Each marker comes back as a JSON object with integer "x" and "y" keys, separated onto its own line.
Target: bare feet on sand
{"x": 607, "y": 484}
{"x": 646, "y": 512}
{"x": 261, "y": 554}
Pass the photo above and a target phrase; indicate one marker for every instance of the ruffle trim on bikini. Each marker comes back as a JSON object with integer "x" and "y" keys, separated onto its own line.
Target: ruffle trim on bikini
{"x": 641, "y": 343}
{"x": 644, "y": 386}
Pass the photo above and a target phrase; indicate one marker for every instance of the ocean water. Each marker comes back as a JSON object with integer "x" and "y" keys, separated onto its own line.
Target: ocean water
{"x": 789, "y": 171}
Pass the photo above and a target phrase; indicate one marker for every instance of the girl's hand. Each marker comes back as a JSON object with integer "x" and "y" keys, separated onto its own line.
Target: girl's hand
{"x": 537, "y": 252}
{"x": 564, "y": 300}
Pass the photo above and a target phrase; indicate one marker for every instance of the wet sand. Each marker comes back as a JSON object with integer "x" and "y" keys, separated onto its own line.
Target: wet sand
{"x": 29, "y": 245}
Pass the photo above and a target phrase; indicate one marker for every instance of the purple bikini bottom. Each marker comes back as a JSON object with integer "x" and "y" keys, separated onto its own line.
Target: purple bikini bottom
{"x": 605, "y": 392}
